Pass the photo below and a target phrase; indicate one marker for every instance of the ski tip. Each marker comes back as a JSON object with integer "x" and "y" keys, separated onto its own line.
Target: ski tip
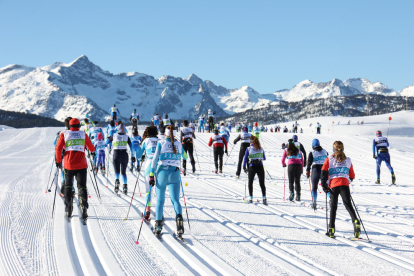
{"x": 137, "y": 242}
{"x": 89, "y": 196}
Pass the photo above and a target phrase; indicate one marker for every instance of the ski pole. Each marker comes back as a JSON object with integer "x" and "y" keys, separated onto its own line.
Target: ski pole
{"x": 53, "y": 180}
{"x": 197, "y": 157}
{"x": 284, "y": 184}
{"x": 268, "y": 173}
{"x": 229, "y": 154}
{"x": 310, "y": 189}
{"x": 185, "y": 204}
{"x": 50, "y": 174}
{"x": 93, "y": 184}
{"x": 107, "y": 171}
{"x": 326, "y": 197}
{"x": 132, "y": 198}
{"x": 96, "y": 183}
{"x": 142, "y": 221}
{"x": 54, "y": 200}
{"x": 360, "y": 218}
{"x": 209, "y": 166}
{"x": 245, "y": 179}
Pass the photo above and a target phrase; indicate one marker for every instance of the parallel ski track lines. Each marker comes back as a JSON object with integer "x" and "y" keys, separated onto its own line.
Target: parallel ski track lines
{"x": 194, "y": 258}
{"x": 311, "y": 226}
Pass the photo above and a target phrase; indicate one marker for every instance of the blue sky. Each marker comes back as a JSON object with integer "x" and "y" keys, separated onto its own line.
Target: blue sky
{"x": 268, "y": 45}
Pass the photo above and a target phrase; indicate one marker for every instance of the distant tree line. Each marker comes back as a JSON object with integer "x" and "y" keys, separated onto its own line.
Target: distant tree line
{"x": 24, "y": 120}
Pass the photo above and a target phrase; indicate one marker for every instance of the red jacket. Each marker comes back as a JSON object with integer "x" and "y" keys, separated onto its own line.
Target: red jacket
{"x": 217, "y": 145}
{"x": 74, "y": 160}
{"x": 340, "y": 181}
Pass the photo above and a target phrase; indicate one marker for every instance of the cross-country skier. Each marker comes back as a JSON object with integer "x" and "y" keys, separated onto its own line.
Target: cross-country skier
{"x": 177, "y": 126}
{"x": 219, "y": 144}
{"x": 156, "y": 120}
{"x": 295, "y": 168}
{"x": 315, "y": 161}
{"x": 114, "y": 112}
{"x": 250, "y": 128}
{"x": 134, "y": 119}
{"x": 86, "y": 126}
{"x": 207, "y": 128}
{"x": 99, "y": 145}
{"x": 167, "y": 121}
{"x": 245, "y": 143}
{"x": 135, "y": 149}
{"x": 229, "y": 125}
{"x": 253, "y": 164}
{"x": 110, "y": 131}
{"x": 295, "y": 127}
{"x": 337, "y": 173}
{"x": 165, "y": 169}
{"x": 300, "y": 147}
{"x": 161, "y": 129}
{"x": 75, "y": 165}
{"x": 224, "y": 132}
{"x": 93, "y": 131}
{"x": 380, "y": 149}
{"x": 148, "y": 147}
{"x": 88, "y": 120}
{"x": 120, "y": 156}
{"x": 201, "y": 121}
{"x": 62, "y": 174}
{"x": 210, "y": 115}
{"x": 318, "y": 128}
{"x": 187, "y": 135}
{"x": 256, "y": 130}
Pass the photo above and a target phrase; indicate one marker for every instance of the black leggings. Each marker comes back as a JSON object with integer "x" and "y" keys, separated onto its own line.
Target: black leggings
{"x": 81, "y": 176}
{"x": 211, "y": 124}
{"x": 120, "y": 161}
{"x": 243, "y": 148}
{"x": 189, "y": 149}
{"x": 346, "y": 199}
{"x": 316, "y": 176}
{"x": 294, "y": 173}
{"x": 218, "y": 153}
{"x": 253, "y": 170}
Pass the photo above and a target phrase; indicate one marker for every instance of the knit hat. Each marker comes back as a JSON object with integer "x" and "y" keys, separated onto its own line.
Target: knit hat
{"x": 74, "y": 123}
{"x": 99, "y": 136}
{"x": 315, "y": 143}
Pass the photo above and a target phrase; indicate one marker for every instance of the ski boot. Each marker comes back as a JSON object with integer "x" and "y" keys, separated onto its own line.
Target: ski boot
{"x": 131, "y": 168}
{"x": 216, "y": 171}
{"x": 357, "y": 228}
{"x": 68, "y": 214}
{"x": 138, "y": 168}
{"x": 393, "y": 178}
{"x": 194, "y": 169}
{"x": 331, "y": 232}
{"x": 378, "y": 181}
{"x": 103, "y": 171}
{"x": 264, "y": 201}
{"x": 314, "y": 205}
{"x": 84, "y": 210}
{"x": 297, "y": 197}
{"x": 147, "y": 213}
{"x": 180, "y": 225}
{"x": 291, "y": 196}
{"x": 116, "y": 189}
{"x": 237, "y": 176}
{"x": 125, "y": 189}
{"x": 251, "y": 199}
{"x": 158, "y": 228}
{"x": 96, "y": 170}
{"x": 221, "y": 171}
{"x": 185, "y": 172}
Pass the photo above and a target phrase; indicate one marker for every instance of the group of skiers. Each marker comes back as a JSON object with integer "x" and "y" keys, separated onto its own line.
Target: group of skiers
{"x": 161, "y": 151}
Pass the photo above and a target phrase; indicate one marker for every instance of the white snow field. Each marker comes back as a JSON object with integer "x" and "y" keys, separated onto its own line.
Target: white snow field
{"x": 228, "y": 236}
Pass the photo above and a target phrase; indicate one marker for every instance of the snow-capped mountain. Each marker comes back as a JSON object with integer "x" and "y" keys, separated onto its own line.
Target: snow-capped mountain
{"x": 81, "y": 87}
{"x": 407, "y": 91}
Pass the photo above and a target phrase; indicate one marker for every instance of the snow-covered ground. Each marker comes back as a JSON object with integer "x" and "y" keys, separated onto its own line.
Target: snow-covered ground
{"x": 227, "y": 236}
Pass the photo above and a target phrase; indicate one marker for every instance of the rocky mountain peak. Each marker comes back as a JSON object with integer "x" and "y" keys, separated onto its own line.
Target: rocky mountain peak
{"x": 193, "y": 79}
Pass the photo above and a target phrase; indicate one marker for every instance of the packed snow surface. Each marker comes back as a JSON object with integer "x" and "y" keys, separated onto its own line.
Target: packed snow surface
{"x": 228, "y": 236}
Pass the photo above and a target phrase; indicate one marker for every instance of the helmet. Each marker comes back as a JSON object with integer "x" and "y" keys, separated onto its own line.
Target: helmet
{"x": 216, "y": 131}
{"x": 379, "y": 133}
{"x": 74, "y": 123}
{"x": 256, "y": 124}
{"x": 245, "y": 129}
{"x": 315, "y": 143}
{"x": 295, "y": 138}
{"x": 99, "y": 136}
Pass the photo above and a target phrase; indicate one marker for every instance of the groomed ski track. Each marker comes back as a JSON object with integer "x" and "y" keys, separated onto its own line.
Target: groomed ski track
{"x": 228, "y": 237}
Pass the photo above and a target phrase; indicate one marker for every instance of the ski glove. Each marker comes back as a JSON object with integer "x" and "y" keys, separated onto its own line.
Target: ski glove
{"x": 143, "y": 158}
{"x": 133, "y": 159}
{"x": 93, "y": 154}
{"x": 226, "y": 152}
{"x": 59, "y": 165}
{"x": 245, "y": 170}
{"x": 375, "y": 157}
{"x": 325, "y": 187}
{"x": 308, "y": 174}
{"x": 152, "y": 180}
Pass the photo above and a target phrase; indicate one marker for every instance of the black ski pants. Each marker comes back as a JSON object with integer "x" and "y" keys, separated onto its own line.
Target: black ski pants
{"x": 120, "y": 160}
{"x": 294, "y": 173}
{"x": 345, "y": 193}
{"x": 81, "y": 176}
{"x": 243, "y": 148}
{"x": 218, "y": 157}
{"x": 259, "y": 170}
{"x": 189, "y": 149}
{"x": 211, "y": 124}
{"x": 315, "y": 176}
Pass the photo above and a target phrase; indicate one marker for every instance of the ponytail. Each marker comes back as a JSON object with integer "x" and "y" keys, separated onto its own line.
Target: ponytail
{"x": 171, "y": 128}
{"x": 292, "y": 150}
{"x": 338, "y": 148}
{"x": 256, "y": 142}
